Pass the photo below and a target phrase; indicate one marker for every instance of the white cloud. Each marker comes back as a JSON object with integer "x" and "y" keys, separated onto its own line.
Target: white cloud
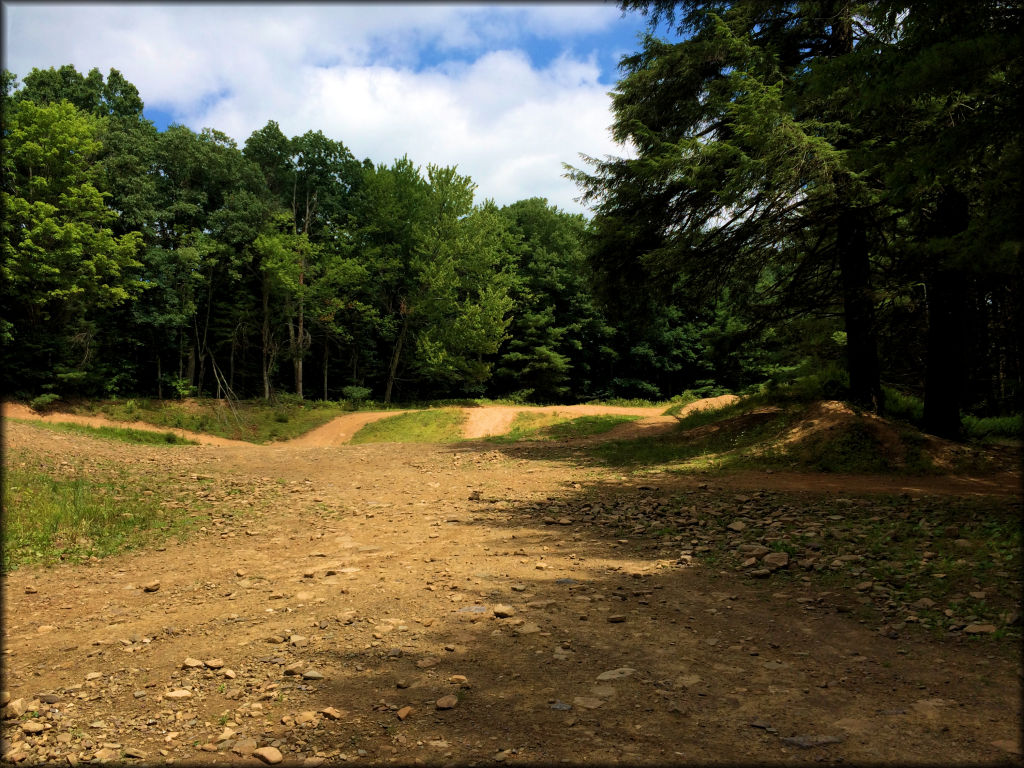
{"x": 355, "y": 72}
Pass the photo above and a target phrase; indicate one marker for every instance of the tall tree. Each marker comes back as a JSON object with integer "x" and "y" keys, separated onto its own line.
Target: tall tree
{"x": 557, "y": 339}
{"x": 437, "y": 263}
{"x": 62, "y": 263}
{"x": 941, "y": 83}
{"x": 742, "y": 170}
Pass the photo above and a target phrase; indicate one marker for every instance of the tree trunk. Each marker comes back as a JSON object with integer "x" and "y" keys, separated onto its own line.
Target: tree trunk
{"x": 858, "y": 310}
{"x": 299, "y": 347}
{"x": 944, "y": 375}
{"x": 854, "y": 264}
{"x": 326, "y": 351}
{"x": 946, "y": 300}
{"x": 159, "y": 380}
{"x": 266, "y": 343}
{"x": 191, "y": 369}
{"x": 394, "y": 360}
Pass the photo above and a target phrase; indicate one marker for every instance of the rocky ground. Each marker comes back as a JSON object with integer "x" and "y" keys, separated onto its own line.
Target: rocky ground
{"x": 468, "y": 604}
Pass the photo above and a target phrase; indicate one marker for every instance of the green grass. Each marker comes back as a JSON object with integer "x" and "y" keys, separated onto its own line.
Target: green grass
{"x": 692, "y": 395}
{"x": 550, "y": 426}
{"x": 630, "y": 402}
{"x": 256, "y": 421}
{"x": 49, "y": 519}
{"x": 901, "y": 405}
{"x": 585, "y": 426}
{"x": 748, "y": 435}
{"x": 730, "y": 446}
{"x": 122, "y": 434}
{"x": 443, "y": 425}
{"x": 712, "y": 415}
{"x": 527, "y": 425}
{"x": 994, "y": 426}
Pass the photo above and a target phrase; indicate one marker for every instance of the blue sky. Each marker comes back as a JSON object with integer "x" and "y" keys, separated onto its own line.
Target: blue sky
{"x": 506, "y": 92}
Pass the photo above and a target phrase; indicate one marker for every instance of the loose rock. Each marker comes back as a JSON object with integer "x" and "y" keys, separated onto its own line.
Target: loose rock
{"x": 269, "y": 755}
{"x": 979, "y": 629}
{"x": 447, "y": 702}
{"x": 775, "y": 560}
{"x": 616, "y": 674}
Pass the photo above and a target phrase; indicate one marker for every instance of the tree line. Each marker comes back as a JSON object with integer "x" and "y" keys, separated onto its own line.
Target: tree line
{"x": 812, "y": 192}
{"x": 797, "y": 162}
{"x": 173, "y": 263}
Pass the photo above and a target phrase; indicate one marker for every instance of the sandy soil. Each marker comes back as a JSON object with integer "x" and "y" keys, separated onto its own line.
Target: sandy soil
{"x": 457, "y": 604}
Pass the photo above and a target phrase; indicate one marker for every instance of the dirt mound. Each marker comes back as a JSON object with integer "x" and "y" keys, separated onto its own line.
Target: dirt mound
{"x": 831, "y": 427}
{"x": 19, "y": 411}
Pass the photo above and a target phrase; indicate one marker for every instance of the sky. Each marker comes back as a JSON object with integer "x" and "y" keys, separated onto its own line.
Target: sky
{"x": 506, "y": 92}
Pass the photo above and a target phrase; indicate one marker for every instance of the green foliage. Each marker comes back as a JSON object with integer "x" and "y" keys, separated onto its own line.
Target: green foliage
{"x": 62, "y": 264}
{"x": 775, "y": 219}
{"x": 901, "y": 405}
{"x": 355, "y": 394}
{"x": 44, "y": 403}
{"x": 431, "y": 426}
{"x": 770, "y": 180}
{"x": 994, "y": 426}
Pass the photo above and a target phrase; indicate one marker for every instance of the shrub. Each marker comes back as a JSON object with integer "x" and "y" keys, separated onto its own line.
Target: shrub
{"x": 993, "y": 426}
{"x": 43, "y": 402}
{"x": 355, "y": 394}
{"x": 901, "y": 405}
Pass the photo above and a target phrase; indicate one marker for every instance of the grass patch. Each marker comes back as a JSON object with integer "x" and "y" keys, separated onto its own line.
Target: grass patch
{"x": 431, "y": 426}
{"x": 738, "y": 440}
{"x": 712, "y": 415}
{"x": 630, "y": 402}
{"x": 900, "y": 405}
{"x": 993, "y": 427}
{"x": 585, "y": 426}
{"x": 255, "y": 421}
{"x": 123, "y": 434}
{"x": 551, "y": 426}
{"x": 50, "y": 519}
{"x": 753, "y": 433}
{"x": 527, "y": 425}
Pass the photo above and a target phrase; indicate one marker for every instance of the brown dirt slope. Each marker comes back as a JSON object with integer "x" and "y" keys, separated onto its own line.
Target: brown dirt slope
{"x": 20, "y": 411}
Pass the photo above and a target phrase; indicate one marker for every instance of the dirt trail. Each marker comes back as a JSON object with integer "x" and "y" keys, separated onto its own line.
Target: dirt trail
{"x": 480, "y": 422}
{"x": 461, "y": 604}
{"x": 340, "y": 430}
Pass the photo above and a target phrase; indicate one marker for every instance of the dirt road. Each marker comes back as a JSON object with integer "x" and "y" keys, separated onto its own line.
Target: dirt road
{"x": 465, "y": 604}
